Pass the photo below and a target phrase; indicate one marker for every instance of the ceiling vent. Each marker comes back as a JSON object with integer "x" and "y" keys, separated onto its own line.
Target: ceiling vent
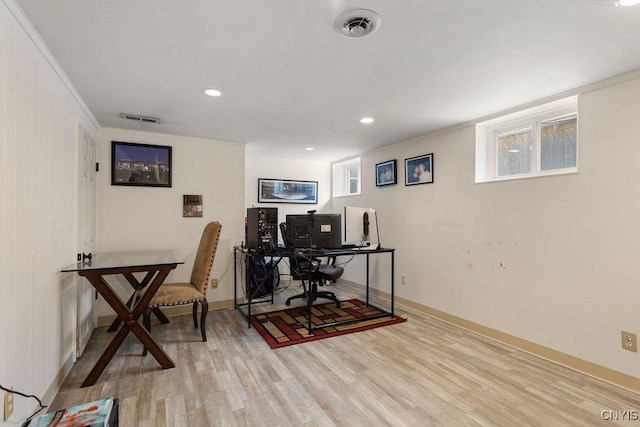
{"x": 141, "y": 119}
{"x": 357, "y": 23}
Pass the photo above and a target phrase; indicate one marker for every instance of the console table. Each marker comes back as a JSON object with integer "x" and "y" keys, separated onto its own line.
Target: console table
{"x": 156, "y": 265}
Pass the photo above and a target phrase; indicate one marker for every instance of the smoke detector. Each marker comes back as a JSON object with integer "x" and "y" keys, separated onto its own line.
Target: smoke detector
{"x": 357, "y": 23}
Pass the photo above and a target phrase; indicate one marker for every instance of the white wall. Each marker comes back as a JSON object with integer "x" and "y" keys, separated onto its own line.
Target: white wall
{"x": 271, "y": 168}
{"x": 551, "y": 260}
{"x": 40, "y": 119}
{"x": 139, "y": 218}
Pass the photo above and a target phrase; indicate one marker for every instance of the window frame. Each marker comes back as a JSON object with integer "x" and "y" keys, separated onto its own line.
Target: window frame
{"x": 342, "y": 177}
{"x": 487, "y": 133}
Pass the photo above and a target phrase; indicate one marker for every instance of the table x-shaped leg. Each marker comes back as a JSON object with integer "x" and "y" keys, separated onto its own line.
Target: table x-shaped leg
{"x": 136, "y": 285}
{"x": 128, "y": 316}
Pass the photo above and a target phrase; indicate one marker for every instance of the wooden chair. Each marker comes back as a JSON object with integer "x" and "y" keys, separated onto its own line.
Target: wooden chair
{"x": 193, "y": 292}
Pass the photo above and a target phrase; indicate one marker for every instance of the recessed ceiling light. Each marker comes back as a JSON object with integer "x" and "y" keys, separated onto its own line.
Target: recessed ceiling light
{"x": 627, "y": 2}
{"x": 212, "y": 92}
{"x": 309, "y": 148}
{"x": 366, "y": 120}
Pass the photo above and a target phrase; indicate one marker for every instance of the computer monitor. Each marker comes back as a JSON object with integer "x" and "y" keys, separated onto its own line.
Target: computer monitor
{"x": 298, "y": 231}
{"x": 322, "y": 231}
{"x": 327, "y": 231}
{"x": 361, "y": 228}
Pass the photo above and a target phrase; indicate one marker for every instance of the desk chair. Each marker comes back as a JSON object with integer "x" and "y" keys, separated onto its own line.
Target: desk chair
{"x": 311, "y": 271}
{"x": 195, "y": 291}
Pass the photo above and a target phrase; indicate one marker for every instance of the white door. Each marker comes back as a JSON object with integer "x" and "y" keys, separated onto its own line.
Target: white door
{"x": 87, "y": 315}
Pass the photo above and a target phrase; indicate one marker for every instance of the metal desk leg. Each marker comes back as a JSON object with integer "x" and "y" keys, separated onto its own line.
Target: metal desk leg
{"x": 393, "y": 275}
{"x": 235, "y": 279}
{"x": 367, "y": 293}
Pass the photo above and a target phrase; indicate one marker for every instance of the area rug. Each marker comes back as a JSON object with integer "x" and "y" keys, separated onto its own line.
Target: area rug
{"x": 288, "y": 327}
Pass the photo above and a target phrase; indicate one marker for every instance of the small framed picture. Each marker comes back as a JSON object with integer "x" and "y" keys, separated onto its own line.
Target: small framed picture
{"x": 418, "y": 170}
{"x": 386, "y": 173}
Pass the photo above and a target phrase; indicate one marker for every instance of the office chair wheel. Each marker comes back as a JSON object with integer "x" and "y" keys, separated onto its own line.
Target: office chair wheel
{"x": 338, "y": 305}
{"x": 287, "y": 302}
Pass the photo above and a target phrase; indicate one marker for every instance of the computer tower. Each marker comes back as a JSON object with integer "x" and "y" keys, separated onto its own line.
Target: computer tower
{"x": 262, "y": 228}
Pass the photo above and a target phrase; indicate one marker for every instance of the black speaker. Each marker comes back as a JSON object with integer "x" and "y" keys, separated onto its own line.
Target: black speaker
{"x": 262, "y": 228}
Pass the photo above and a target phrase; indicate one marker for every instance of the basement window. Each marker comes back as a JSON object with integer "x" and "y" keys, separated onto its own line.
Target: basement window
{"x": 346, "y": 178}
{"x": 534, "y": 142}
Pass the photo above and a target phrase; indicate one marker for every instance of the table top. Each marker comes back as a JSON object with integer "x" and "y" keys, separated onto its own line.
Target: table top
{"x": 317, "y": 252}
{"x": 338, "y": 251}
{"x": 112, "y": 260}
{"x": 350, "y": 250}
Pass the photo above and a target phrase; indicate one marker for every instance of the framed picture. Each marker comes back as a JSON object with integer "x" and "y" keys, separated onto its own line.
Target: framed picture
{"x": 418, "y": 170}
{"x": 141, "y": 165}
{"x": 386, "y": 173}
{"x": 192, "y": 206}
{"x": 287, "y": 191}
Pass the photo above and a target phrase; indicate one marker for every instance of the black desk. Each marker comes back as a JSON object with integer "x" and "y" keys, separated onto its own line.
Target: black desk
{"x": 282, "y": 252}
{"x": 156, "y": 265}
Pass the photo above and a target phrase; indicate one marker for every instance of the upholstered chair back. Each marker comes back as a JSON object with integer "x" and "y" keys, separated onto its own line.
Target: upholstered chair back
{"x": 205, "y": 256}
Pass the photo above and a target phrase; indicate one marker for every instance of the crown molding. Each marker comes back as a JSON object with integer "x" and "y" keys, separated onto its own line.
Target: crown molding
{"x": 41, "y": 46}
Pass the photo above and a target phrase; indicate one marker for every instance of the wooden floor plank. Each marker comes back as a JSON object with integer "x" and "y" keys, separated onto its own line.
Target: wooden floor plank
{"x": 420, "y": 372}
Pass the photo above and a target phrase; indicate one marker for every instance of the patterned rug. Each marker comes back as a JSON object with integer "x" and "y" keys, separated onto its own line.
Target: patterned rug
{"x": 288, "y": 327}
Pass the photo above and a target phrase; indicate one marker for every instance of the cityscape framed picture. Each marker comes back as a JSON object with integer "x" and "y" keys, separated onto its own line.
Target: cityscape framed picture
{"x": 287, "y": 191}
{"x": 386, "y": 173}
{"x": 419, "y": 170}
{"x": 141, "y": 165}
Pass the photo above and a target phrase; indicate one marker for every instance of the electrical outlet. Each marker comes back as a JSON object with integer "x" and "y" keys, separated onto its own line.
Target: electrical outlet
{"x": 628, "y": 341}
{"x": 8, "y": 404}
{"x": 214, "y": 283}
{"x": 403, "y": 279}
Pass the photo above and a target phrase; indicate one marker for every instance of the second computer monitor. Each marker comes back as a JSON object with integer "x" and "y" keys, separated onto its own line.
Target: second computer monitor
{"x": 322, "y": 231}
{"x": 327, "y": 231}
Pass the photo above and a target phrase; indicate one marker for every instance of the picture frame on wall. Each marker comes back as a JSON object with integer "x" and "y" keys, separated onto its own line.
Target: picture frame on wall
{"x": 287, "y": 191}
{"x": 419, "y": 170}
{"x": 140, "y": 165}
{"x": 386, "y": 173}
{"x": 192, "y": 206}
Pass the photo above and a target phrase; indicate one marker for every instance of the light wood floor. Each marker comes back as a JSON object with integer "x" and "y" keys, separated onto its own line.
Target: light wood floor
{"x": 418, "y": 373}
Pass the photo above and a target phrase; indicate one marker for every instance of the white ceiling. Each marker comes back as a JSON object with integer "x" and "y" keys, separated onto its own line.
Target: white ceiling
{"x": 290, "y": 81}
